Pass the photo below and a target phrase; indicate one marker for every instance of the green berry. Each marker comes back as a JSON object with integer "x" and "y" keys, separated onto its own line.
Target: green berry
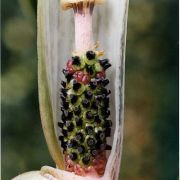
{"x": 98, "y": 67}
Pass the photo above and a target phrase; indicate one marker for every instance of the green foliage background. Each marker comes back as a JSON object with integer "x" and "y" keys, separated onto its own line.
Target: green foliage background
{"x": 151, "y": 104}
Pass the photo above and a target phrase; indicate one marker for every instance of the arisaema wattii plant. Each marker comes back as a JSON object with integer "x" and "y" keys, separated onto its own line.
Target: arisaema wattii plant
{"x": 81, "y": 71}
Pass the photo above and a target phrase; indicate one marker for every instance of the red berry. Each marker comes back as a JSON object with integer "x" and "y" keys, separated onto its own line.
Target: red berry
{"x": 70, "y": 70}
{"x": 80, "y": 77}
{"x": 80, "y": 73}
{"x": 75, "y": 75}
{"x": 69, "y": 67}
{"x": 69, "y": 63}
{"x": 85, "y": 79}
{"x": 101, "y": 74}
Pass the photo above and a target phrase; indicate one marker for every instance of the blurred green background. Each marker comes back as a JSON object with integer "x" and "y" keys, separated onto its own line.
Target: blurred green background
{"x": 151, "y": 105}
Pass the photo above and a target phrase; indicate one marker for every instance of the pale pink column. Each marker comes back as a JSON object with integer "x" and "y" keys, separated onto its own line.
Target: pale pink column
{"x": 83, "y": 29}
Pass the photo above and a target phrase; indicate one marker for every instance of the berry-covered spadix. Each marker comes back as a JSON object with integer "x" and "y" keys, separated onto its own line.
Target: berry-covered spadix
{"x": 84, "y": 124}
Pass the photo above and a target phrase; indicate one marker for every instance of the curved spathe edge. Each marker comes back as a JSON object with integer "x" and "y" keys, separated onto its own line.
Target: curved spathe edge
{"x": 114, "y": 161}
{"x": 44, "y": 95}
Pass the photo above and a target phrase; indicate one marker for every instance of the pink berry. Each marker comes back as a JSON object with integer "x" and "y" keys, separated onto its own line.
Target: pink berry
{"x": 69, "y": 63}
{"x": 80, "y": 73}
{"x": 85, "y": 79}
{"x": 75, "y": 75}
{"x": 80, "y": 77}
{"x": 69, "y": 67}
{"x": 70, "y": 70}
{"x": 101, "y": 74}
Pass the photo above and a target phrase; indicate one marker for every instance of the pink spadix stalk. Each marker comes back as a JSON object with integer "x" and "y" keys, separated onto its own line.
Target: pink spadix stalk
{"x": 83, "y": 10}
{"x": 83, "y": 26}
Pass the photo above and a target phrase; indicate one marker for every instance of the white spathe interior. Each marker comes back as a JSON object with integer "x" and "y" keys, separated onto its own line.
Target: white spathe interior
{"x": 109, "y": 28}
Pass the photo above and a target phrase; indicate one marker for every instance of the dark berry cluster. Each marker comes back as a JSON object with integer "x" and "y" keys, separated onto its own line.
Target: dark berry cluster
{"x": 85, "y": 108}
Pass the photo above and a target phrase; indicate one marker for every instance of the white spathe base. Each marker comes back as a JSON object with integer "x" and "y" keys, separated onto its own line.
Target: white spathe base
{"x": 50, "y": 173}
{"x": 32, "y": 175}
